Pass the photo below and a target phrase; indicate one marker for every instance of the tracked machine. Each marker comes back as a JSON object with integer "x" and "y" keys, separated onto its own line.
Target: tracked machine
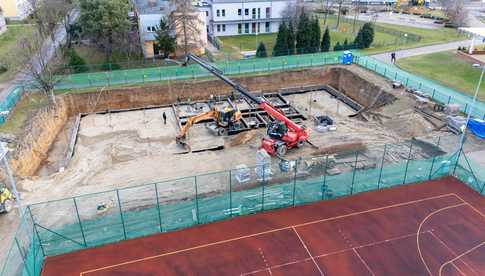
{"x": 283, "y": 133}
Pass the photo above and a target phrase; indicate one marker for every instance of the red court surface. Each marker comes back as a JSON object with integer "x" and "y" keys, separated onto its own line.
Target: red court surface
{"x": 432, "y": 228}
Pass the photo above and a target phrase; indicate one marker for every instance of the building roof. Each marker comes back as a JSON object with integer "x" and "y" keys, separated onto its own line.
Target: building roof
{"x": 152, "y": 6}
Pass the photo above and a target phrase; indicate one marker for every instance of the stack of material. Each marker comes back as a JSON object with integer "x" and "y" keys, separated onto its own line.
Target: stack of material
{"x": 263, "y": 165}
{"x": 477, "y": 127}
{"x": 324, "y": 123}
{"x": 456, "y": 124}
{"x": 242, "y": 173}
{"x": 452, "y": 109}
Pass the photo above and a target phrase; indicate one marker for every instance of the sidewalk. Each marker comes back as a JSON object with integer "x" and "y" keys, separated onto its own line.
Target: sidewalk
{"x": 386, "y": 57}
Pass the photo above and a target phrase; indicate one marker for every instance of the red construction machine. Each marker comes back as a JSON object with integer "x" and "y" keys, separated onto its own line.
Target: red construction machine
{"x": 283, "y": 133}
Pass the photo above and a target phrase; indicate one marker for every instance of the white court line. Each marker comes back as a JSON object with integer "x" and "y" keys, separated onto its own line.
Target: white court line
{"x": 362, "y": 260}
{"x": 454, "y": 253}
{"x": 459, "y": 256}
{"x": 267, "y": 232}
{"x": 308, "y": 251}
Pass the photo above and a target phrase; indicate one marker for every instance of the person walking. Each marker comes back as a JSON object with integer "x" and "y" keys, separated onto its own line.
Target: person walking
{"x": 393, "y": 57}
{"x": 164, "y": 116}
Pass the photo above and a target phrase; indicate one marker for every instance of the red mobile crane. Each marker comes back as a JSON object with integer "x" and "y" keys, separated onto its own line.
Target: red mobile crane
{"x": 283, "y": 133}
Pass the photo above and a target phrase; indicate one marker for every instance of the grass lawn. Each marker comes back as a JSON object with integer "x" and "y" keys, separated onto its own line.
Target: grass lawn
{"x": 383, "y": 41}
{"x": 447, "y": 68}
{"x": 21, "y": 113}
{"x": 8, "y": 48}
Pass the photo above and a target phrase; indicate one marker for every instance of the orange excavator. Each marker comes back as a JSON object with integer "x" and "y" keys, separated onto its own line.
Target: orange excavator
{"x": 283, "y": 133}
{"x": 224, "y": 120}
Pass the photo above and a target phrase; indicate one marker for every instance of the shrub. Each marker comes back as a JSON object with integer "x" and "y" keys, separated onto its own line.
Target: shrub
{"x": 76, "y": 62}
{"x": 110, "y": 66}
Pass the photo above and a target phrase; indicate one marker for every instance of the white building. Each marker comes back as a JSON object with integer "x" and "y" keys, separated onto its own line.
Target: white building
{"x": 236, "y": 17}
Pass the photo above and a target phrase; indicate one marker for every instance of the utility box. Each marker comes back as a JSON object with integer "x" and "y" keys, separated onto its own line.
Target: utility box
{"x": 347, "y": 58}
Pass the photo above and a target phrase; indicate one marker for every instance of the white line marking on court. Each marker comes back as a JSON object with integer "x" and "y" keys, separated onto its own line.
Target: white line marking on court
{"x": 265, "y": 261}
{"x": 308, "y": 251}
{"x": 267, "y": 232}
{"x": 419, "y": 232}
{"x": 454, "y": 253}
{"x": 362, "y": 260}
{"x": 459, "y": 256}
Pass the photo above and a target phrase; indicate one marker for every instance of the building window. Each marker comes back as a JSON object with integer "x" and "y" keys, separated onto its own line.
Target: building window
{"x": 218, "y": 13}
{"x": 206, "y": 13}
{"x": 239, "y": 28}
{"x": 223, "y": 27}
{"x": 246, "y": 11}
{"x": 268, "y": 12}
{"x": 223, "y": 12}
{"x": 259, "y": 12}
{"x": 254, "y": 13}
{"x": 218, "y": 28}
{"x": 239, "y": 11}
{"x": 259, "y": 30}
{"x": 246, "y": 28}
{"x": 267, "y": 27}
{"x": 253, "y": 28}
{"x": 151, "y": 29}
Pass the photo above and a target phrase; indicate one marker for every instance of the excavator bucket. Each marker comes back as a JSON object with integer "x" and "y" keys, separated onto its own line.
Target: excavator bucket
{"x": 183, "y": 142}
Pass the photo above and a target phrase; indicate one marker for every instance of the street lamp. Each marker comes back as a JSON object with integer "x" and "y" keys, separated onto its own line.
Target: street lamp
{"x": 462, "y": 139}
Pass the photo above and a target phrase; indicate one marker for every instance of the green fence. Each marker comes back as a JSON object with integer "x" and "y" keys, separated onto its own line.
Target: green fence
{"x": 66, "y": 225}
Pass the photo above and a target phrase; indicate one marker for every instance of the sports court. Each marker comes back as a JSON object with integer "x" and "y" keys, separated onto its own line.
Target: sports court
{"x": 431, "y": 228}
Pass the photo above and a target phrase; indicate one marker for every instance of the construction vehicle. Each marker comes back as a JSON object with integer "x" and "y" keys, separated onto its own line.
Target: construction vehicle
{"x": 283, "y": 133}
{"x": 223, "y": 120}
{"x": 7, "y": 200}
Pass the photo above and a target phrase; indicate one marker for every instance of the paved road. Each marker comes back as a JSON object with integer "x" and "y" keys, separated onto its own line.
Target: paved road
{"x": 386, "y": 57}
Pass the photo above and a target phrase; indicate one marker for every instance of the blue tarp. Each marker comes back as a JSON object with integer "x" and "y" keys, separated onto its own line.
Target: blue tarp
{"x": 477, "y": 127}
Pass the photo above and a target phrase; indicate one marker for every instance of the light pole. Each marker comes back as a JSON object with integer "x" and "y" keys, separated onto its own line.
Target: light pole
{"x": 462, "y": 139}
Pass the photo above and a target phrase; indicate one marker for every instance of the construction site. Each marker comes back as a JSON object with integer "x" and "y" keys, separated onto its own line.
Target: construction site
{"x": 116, "y": 138}
{"x": 319, "y": 122}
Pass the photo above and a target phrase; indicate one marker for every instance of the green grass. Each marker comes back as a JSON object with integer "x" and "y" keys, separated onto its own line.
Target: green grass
{"x": 447, "y": 68}
{"x": 22, "y": 111}
{"x": 9, "y": 48}
{"x": 383, "y": 42}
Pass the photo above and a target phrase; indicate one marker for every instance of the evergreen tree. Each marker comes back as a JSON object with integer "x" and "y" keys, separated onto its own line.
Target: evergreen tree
{"x": 316, "y": 34}
{"x": 291, "y": 38}
{"x": 337, "y": 47}
{"x": 166, "y": 42}
{"x": 303, "y": 34}
{"x": 325, "y": 45}
{"x": 281, "y": 46}
{"x": 261, "y": 51}
{"x": 345, "y": 46}
{"x": 365, "y": 36}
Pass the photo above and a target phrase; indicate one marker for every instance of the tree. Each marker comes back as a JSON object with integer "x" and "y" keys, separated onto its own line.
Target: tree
{"x": 261, "y": 51}
{"x": 106, "y": 23}
{"x": 303, "y": 34}
{"x": 316, "y": 34}
{"x": 166, "y": 42}
{"x": 326, "y": 41}
{"x": 291, "y": 38}
{"x": 76, "y": 63}
{"x": 340, "y": 2}
{"x": 186, "y": 22}
{"x": 43, "y": 64}
{"x": 337, "y": 47}
{"x": 281, "y": 46}
{"x": 345, "y": 46}
{"x": 455, "y": 11}
{"x": 365, "y": 36}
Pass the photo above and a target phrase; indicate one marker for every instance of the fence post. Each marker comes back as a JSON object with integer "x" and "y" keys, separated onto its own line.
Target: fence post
{"x": 196, "y": 200}
{"x": 22, "y": 255}
{"x": 382, "y": 166}
{"x": 432, "y": 94}
{"x": 434, "y": 158}
{"x": 395, "y": 76}
{"x": 449, "y": 99}
{"x": 466, "y": 105}
{"x": 420, "y": 84}
{"x": 36, "y": 231}
{"x": 324, "y": 177}
{"x": 407, "y": 162}
{"x": 158, "y": 207}
{"x": 483, "y": 187}
{"x": 121, "y": 213}
{"x": 80, "y": 224}
{"x": 353, "y": 173}
{"x": 483, "y": 118}
{"x": 230, "y": 192}
{"x": 385, "y": 71}
{"x": 407, "y": 81}
{"x": 262, "y": 187}
{"x": 457, "y": 159}
{"x": 294, "y": 182}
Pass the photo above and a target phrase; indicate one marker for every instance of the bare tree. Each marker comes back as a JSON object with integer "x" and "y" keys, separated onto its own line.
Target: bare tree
{"x": 455, "y": 11}
{"x": 292, "y": 11}
{"x": 186, "y": 21}
{"x": 43, "y": 64}
{"x": 48, "y": 14}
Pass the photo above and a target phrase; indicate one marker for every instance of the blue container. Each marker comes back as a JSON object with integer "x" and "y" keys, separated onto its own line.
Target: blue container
{"x": 347, "y": 58}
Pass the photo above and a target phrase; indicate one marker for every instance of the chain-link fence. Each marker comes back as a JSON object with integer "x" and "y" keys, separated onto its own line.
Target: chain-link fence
{"x": 66, "y": 225}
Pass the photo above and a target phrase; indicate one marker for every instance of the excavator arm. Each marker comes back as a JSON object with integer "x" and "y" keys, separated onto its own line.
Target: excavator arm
{"x": 191, "y": 121}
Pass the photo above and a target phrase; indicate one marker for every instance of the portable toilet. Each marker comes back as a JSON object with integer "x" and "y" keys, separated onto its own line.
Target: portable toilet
{"x": 347, "y": 58}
